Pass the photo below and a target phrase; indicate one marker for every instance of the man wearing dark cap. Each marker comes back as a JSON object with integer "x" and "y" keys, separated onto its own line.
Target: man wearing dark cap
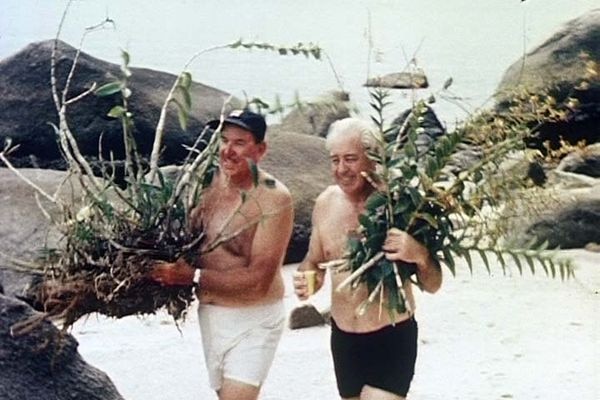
{"x": 239, "y": 283}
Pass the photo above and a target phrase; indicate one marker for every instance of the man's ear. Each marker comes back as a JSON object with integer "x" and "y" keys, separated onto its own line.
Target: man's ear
{"x": 262, "y": 149}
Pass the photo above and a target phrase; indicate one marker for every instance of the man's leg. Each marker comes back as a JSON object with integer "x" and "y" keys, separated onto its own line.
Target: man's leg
{"x": 372, "y": 393}
{"x": 236, "y": 390}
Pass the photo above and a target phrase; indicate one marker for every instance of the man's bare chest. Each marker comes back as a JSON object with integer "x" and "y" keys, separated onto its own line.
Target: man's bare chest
{"x": 335, "y": 230}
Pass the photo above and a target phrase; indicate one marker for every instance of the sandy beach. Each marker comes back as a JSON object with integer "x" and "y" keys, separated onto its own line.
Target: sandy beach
{"x": 498, "y": 336}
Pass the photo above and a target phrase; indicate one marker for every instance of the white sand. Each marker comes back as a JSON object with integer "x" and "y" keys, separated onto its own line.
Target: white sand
{"x": 481, "y": 337}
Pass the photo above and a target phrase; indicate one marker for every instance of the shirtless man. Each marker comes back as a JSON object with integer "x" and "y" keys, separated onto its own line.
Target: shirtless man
{"x": 373, "y": 357}
{"x": 239, "y": 283}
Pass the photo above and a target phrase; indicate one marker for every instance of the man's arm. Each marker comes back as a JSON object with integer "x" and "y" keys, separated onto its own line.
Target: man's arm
{"x": 400, "y": 246}
{"x": 312, "y": 259}
{"x": 250, "y": 282}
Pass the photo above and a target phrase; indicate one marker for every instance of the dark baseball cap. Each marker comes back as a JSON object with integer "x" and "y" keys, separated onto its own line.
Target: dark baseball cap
{"x": 251, "y": 121}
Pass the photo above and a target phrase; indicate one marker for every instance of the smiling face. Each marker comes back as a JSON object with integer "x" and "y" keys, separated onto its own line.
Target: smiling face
{"x": 348, "y": 160}
{"x": 238, "y": 147}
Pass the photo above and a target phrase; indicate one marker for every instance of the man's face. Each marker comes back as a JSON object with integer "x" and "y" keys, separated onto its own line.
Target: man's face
{"x": 348, "y": 160}
{"x": 238, "y": 146}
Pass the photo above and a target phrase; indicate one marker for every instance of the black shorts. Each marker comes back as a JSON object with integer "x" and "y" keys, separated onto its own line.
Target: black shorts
{"x": 384, "y": 359}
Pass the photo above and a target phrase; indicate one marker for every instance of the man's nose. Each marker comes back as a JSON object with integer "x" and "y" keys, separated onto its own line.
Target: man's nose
{"x": 226, "y": 149}
{"x": 342, "y": 167}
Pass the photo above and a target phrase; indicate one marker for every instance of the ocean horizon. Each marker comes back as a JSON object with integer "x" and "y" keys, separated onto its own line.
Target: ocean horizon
{"x": 472, "y": 42}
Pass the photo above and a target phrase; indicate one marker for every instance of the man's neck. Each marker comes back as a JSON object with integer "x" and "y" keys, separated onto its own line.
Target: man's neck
{"x": 240, "y": 183}
{"x": 358, "y": 199}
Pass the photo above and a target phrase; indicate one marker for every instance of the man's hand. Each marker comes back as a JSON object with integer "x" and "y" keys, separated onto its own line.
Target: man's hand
{"x": 400, "y": 246}
{"x": 300, "y": 285}
{"x": 172, "y": 274}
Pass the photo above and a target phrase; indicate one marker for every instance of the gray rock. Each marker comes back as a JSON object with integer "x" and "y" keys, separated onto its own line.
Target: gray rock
{"x": 574, "y": 226}
{"x": 26, "y": 107}
{"x": 44, "y": 364}
{"x": 585, "y": 161}
{"x": 302, "y": 163}
{"x": 315, "y": 117}
{"x": 433, "y": 129}
{"x": 556, "y": 64}
{"x": 305, "y": 316}
{"x": 399, "y": 80}
{"x": 24, "y": 229}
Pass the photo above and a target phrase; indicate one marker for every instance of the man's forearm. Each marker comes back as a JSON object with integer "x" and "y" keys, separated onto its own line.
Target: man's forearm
{"x": 429, "y": 274}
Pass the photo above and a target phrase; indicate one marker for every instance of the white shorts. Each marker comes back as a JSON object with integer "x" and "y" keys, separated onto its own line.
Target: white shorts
{"x": 240, "y": 343}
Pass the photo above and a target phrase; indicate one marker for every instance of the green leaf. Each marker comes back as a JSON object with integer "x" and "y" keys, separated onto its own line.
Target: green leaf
{"x": 185, "y": 80}
{"x": 485, "y": 260}
{"x": 365, "y": 221}
{"x": 447, "y": 84}
{"x": 375, "y": 200}
{"x": 116, "y": 112}
{"x": 428, "y": 218}
{"x": 187, "y": 99}
{"x": 415, "y": 196}
{"x": 467, "y": 256}
{"x": 237, "y": 44}
{"x": 531, "y": 266}
{"x": 183, "y": 116}
{"x": 126, "y": 58}
{"x": 517, "y": 262}
{"x": 448, "y": 258}
{"x": 108, "y": 89}
{"x": 501, "y": 259}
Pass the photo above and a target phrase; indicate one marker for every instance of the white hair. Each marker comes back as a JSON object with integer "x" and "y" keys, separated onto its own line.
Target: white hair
{"x": 349, "y": 127}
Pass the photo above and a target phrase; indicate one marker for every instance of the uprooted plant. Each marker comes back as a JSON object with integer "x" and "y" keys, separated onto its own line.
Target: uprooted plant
{"x": 112, "y": 234}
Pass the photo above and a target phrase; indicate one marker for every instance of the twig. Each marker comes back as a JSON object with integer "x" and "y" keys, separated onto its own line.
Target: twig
{"x": 360, "y": 270}
{"x": 25, "y": 179}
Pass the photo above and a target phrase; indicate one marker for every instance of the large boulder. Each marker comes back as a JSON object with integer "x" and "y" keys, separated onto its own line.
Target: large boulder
{"x": 44, "y": 364}
{"x": 585, "y": 161}
{"x": 24, "y": 228}
{"x": 566, "y": 214}
{"x": 27, "y": 108}
{"x": 557, "y": 65}
{"x": 574, "y": 226}
{"x": 302, "y": 164}
{"x": 315, "y": 117}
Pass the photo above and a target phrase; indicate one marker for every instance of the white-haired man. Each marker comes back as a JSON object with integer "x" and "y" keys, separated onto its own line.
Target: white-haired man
{"x": 374, "y": 357}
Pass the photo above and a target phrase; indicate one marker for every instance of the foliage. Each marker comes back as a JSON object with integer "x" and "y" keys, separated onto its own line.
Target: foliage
{"x": 451, "y": 210}
{"x": 113, "y": 235}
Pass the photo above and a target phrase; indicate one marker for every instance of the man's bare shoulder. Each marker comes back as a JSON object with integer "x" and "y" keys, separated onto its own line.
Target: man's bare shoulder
{"x": 331, "y": 192}
{"x": 327, "y": 198}
{"x": 272, "y": 188}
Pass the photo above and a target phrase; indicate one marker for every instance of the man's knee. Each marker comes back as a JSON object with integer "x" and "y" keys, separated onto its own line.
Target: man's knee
{"x": 236, "y": 390}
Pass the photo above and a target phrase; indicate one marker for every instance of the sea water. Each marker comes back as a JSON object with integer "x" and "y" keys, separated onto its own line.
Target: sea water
{"x": 471, "y": 41}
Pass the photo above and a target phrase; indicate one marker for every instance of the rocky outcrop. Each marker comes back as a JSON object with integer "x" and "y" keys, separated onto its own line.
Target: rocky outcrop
{"x": 302, "y": 163}
{"x": 573, "y": 226}
{"x": 400, "y": 80}
{"x": 557, "y": 65}
{"x": 584, "y": 161}
{"x": 27, "y": 109}
{"x": 315, "y": 117}
{"x": 566, "y": 213}
{"x": 44, "y": 364}
{"x": 24, "y": 229}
